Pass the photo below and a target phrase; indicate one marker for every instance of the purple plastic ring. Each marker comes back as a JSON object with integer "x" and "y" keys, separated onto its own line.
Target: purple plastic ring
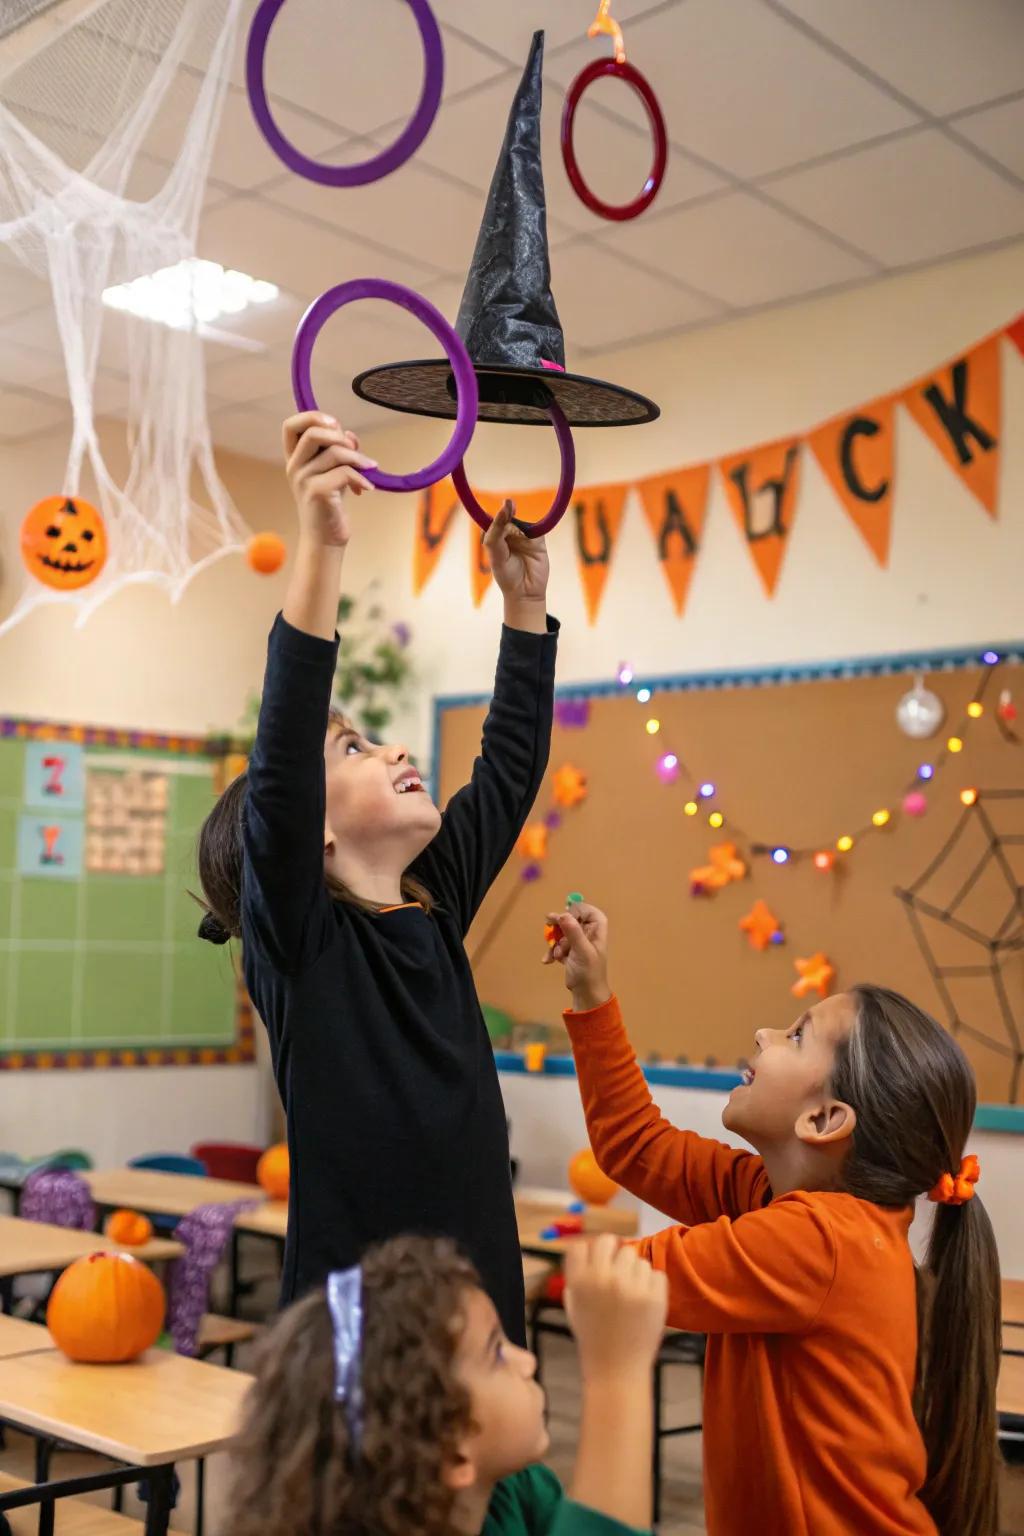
{"x": 396, "y": 154}
{"x": 620, "y": 71}
{"x": 321, "y": 310}
{"x": 562, "y": 496}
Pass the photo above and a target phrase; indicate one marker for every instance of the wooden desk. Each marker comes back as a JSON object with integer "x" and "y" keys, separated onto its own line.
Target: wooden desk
{"x": 596, "y": 1218}
{"x": 1013, "y": 1303}
{"x": 34, "y": 1248}
{"x": 1010, "y": 1391}
{"x": 21, "y": 1338}
{"x": 267, "y": 1220}
{"x": 72, "y": 1517}
{"x": 163, "y": 1194}
{"x": 160, "y": 1409}
{"x": 536, "y": 1273}
{"x": 1013, "y": 1340}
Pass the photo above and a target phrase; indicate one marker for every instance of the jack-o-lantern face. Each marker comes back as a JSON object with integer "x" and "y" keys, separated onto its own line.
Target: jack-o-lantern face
{"x": 64, "y": 542}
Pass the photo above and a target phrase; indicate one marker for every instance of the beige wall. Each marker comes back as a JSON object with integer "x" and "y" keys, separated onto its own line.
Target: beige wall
{"x": 955, "y": 576}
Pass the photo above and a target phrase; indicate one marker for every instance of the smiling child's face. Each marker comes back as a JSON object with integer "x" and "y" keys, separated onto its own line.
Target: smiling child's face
{"x": 789, "y": 1074}
{"x": 374, "y": 792}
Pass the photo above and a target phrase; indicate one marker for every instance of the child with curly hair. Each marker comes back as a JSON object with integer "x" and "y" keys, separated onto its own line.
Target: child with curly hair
{"x": 392, "y": 1403}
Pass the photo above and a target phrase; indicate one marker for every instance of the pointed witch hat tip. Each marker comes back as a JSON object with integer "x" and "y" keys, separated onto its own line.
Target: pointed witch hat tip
{"x": 507, "y": 317}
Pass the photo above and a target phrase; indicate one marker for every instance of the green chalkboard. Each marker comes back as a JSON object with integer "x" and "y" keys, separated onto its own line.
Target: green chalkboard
{"x": 99, "y": 961}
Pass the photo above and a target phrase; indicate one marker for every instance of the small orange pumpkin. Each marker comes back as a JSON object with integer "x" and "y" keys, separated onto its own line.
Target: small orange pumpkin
{"x": 106, "y": 1308}
{"x": 64, "y": 542}
{"x": 587, "y": 1180}
{"x": 273, "y": 1171}
{"x": 129, "y": 1228}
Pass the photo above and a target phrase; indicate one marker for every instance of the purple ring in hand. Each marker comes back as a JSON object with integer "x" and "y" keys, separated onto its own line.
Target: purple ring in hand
{"x": 321, "y": 310}
{"x": 396, "y": 154}
{"x": 562, "y": 496}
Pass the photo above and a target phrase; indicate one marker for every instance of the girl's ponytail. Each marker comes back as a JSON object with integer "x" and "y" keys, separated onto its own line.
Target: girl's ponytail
{"x": 960, "y": 1347}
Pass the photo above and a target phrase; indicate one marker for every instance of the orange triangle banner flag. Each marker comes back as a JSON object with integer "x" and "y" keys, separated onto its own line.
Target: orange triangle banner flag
{"x": 435, "y": 513}
{"x": 479, "y": 563}
{"x": 597, "y": 512}
{"x": 674, "y": 506}
{"x": 761, "y": 486}
{"x": 958, "y": 407}
{"x": 1015, "y": 331}
{"x": 855, "y": 452}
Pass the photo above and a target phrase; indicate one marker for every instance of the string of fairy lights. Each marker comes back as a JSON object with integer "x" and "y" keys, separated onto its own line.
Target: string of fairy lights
{"x": 702, "y": 797}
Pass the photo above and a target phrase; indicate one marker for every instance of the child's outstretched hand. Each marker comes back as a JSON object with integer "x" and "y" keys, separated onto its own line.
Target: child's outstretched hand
{"x": 519, "y": 565}
{"x": 322, "y": 462}
{"x": 616, "y": 1305}
{"x": 583, "y": 950}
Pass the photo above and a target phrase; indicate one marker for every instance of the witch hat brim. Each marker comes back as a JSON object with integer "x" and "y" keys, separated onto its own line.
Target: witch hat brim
{"x": 507, "y": 317}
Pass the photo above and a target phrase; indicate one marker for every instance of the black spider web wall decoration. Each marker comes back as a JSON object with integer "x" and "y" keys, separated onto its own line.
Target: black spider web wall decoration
{"x": 967, "y": 914}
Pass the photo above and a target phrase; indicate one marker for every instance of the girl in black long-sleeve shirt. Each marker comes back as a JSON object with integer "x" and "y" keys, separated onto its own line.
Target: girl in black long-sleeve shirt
{"x": 352, "y": 896}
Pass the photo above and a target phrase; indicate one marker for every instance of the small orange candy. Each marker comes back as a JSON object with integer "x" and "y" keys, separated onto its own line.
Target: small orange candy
{"x": 266, "y": 553}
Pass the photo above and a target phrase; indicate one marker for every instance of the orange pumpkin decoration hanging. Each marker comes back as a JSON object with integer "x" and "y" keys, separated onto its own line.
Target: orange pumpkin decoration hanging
{"x": 129, "y": 1228}
{"x": 273, "y": 1171}
{"x": 106, "y": 1309}
{"x": 588, "y": 1182}
{"x": 64, "y": 542}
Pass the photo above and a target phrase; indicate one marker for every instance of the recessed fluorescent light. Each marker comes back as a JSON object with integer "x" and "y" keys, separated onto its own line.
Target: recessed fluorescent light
{"x": 190, "y": 294}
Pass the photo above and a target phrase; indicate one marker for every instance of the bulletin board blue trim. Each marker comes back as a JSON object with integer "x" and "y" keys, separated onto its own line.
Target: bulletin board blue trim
{"x": 1008, "y": 1118}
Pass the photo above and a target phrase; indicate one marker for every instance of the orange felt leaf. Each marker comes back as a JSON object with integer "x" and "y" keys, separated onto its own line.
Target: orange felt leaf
{"x": 759, "y": 925}
{"x": 570, "y": 786}
{"x": 815, "y": 975}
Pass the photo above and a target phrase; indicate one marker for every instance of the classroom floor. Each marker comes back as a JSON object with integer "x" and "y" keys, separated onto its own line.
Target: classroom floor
{"x": 683, "y": 1507}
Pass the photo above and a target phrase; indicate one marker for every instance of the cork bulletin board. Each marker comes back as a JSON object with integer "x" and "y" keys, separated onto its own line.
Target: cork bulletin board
{"x": 797, "y": 761}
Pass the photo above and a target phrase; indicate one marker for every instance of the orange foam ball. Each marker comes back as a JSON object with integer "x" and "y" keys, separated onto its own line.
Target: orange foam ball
{"x": 266, "y": 553}
{"x": 273, "y": 1171}
{"x": 588, "y": 1182}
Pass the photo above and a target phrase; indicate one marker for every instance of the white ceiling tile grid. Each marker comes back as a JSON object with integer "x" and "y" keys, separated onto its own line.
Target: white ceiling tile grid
{"x": 815, "y": 144}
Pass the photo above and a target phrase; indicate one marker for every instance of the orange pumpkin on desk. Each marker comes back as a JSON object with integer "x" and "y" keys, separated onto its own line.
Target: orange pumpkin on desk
{"x": 273, "y": 1171}
{"x": 106, "y": 1309}
{"x": 588, "y": 1182}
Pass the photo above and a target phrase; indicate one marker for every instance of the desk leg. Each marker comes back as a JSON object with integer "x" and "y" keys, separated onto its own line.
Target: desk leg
{"x": 161, "y": 1494}
{"x": 233, "y": 1274}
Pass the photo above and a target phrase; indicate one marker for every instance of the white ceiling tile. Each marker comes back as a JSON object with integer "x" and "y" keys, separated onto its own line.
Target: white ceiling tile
{"x": 247, "y": 378}
{"x": 415, "y": 210}
{"x": 35, "y": 328}
{"x": 914, "y": 199}
{"x": 282, "y": 247}
{"x": 359, "y": 63}
{"x": 746, "y": 90}
{"x": 509, "y": 28}
{"x": 109, "y": 395}
{"x": 269, "y": 324}
{"x": 999, "y": 131}
{"x": 739, "y": 250}
{"x": 120, "y": 336}
{"x": 943, "y": 54}
{"x": 241, "y": 158}
{"x": 24, "y": 365}
{"x": 249, "y": 431}
{"x": 602, "y": 300}
{"x": 25, "y": 415}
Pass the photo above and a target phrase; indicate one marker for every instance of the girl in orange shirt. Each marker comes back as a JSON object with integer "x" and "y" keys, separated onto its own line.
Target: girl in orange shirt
{"x": 847, "y": 1393}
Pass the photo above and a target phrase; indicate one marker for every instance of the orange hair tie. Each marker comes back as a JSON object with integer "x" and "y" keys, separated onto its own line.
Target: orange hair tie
{"x": 957, "y": 1189}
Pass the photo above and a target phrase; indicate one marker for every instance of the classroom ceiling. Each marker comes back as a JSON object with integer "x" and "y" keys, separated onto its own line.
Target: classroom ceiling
{"x": 815, "y": 145}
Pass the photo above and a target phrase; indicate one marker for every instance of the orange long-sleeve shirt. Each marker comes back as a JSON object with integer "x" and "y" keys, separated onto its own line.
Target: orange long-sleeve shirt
{"x": 809, "y": 1306}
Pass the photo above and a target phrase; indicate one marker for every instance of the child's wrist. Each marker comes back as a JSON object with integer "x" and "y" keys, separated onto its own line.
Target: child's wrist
{"x": 529, "y": 613}
{"x": 590, "y": 995}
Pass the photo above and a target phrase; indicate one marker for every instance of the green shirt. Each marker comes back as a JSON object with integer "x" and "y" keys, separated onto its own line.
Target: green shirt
{"x": 533, "y": 1503}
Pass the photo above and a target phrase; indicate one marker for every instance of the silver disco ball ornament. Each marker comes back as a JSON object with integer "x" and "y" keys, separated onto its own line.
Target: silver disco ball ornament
{"x": 920, "y": 712}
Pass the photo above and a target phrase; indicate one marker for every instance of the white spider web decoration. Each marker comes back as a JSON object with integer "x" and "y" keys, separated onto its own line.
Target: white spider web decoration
{"x": 81, "y": 84}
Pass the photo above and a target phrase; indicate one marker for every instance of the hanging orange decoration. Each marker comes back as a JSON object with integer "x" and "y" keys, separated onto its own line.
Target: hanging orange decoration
{"x": 64, "y": 542}
{"x": 761, "y": 926}
{"x": 816, "y": 975}
{"x": 533, "y": 841}
{"x": 723, "y": 867}
{"x": 570, "y": 786}
{"x": 266, "y": 553}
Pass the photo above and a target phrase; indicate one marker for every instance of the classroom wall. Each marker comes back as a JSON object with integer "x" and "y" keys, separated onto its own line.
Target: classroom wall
{"x": 548, "y": 1127}
{"x": 954, "y": 578}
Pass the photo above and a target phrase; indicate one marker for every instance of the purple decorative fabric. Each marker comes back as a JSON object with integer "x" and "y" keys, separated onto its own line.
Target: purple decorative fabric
{"x": 572, "y": 714}
{"x": 205, "y": 1233}
{"x": 60, "y": 1197}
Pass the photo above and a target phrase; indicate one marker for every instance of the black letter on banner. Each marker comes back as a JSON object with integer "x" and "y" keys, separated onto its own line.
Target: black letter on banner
{"x": 738, "y": 476}
{"x": 605, "y": 552}
{"x": 430, "y": 538}
{"x": 674, "y": 521}
{"x": 868, "y": 428}
{"x": 954, "y": 417}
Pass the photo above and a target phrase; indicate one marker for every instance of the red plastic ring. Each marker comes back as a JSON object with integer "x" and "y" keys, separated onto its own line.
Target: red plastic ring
{"x": 633, "y": 77}
{"x": 563, "y": 495}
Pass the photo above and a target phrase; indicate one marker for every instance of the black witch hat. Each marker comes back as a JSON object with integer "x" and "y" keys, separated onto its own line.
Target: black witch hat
{"x": 507, "y": 317}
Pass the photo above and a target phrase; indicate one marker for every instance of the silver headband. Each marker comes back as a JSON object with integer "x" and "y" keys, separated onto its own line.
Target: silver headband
{"x": 345, "y": 1301}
